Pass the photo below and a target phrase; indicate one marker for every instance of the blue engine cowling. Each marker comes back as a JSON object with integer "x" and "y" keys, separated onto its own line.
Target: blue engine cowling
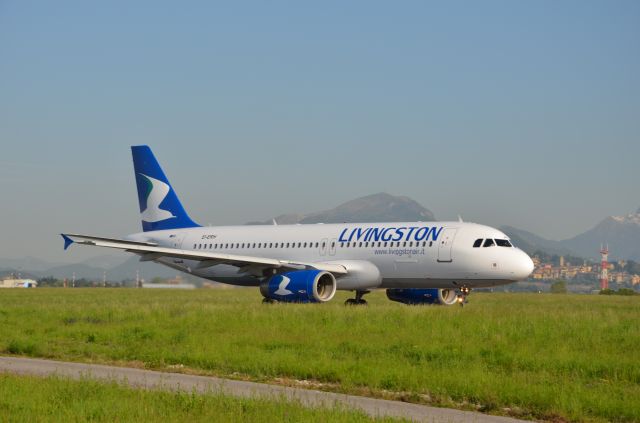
{"x": 423, "y": 296}
{"x": 300, "y": 286}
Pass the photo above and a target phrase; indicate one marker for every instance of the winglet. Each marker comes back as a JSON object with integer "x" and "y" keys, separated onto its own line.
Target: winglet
{"x": 67, "y": 241}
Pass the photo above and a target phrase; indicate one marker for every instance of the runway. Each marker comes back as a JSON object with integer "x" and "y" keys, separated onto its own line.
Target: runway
{"x": 150, "y": 379}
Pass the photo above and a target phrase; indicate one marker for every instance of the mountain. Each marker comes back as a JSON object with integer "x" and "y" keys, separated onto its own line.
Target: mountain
{"x": 381, "y": 207}
{"x": 107, "y": 262}
{"x": 621, "y": 233}
{"x": 148, "y": 270}
{"x": 530, "y": 243}
{"x": 92, "y": 269}
{"x": 31, "y": 264}
{"x": 126, "y": 270}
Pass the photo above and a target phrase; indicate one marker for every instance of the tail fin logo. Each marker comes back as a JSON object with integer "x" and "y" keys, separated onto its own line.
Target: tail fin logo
{"x": 157, "y": 192}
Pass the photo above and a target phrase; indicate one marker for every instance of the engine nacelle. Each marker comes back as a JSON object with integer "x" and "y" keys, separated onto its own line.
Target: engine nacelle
{"x": 300, "y": 286}
{"x": 423, "y": 296}
{"x": 361, "y": 275}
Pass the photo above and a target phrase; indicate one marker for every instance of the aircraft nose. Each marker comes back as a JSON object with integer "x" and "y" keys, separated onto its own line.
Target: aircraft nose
{"x": 524, "y": 266}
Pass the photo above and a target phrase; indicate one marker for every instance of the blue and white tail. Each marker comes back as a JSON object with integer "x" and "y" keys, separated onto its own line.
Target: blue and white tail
{"x": 159, "y": 205}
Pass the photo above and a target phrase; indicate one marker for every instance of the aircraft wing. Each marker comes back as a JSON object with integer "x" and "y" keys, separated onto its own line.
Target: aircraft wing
{"x": 151, "y": 251}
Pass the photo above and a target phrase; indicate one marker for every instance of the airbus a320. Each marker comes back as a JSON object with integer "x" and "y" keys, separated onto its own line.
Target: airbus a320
{"x": 415, "y": 262}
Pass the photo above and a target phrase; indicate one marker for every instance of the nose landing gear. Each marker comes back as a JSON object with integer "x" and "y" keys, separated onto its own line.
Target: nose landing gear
{"x": 358, "y": 299}
{"x": 462, "y": 296}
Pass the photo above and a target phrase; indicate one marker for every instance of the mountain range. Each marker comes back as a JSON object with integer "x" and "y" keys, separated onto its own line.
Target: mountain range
{"x": 117, "y": 268}
{"x": 381, "y": 207}
{"x": 621, "y": 233}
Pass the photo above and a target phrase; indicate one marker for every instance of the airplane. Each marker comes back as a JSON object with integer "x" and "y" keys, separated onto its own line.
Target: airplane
{"x": 416, "y": 262}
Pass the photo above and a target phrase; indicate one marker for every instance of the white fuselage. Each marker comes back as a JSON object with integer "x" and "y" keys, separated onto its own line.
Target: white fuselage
{"x": 407, "y": 254}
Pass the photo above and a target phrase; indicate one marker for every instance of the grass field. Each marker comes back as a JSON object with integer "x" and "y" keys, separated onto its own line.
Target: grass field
{"x": 553, "y": 357}
{"x": 29, "y": 399}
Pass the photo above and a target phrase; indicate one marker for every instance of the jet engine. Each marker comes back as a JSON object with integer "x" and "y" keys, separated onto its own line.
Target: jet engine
{"x": 300, "y": 286}
{"x": 423, "y": 296}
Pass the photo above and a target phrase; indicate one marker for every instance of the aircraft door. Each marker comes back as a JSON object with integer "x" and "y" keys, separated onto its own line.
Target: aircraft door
{"x": 323, "y": 246}
{"x": 332, "y": 247}
{"x": 445, "y": 245}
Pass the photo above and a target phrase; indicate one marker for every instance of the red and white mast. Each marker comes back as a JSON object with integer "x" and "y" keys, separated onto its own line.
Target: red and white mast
{"x": 604, "y": 267}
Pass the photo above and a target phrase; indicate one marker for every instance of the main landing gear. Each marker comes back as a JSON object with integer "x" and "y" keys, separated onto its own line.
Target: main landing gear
{"x": 358, "y": 299}
{"x": 462, "y": 297}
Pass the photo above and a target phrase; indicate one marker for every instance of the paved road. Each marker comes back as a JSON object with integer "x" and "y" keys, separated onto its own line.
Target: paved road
{"x": 176, "y": 381}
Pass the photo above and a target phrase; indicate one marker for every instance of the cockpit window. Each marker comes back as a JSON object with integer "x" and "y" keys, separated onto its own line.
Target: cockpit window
{"x": 503, "y": 243}
{"x": 477, "y": 243}
{"x": 488, "y": 243}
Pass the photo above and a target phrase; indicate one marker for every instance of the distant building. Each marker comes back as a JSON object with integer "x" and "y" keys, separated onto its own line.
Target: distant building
{"x": 18, "y": 283}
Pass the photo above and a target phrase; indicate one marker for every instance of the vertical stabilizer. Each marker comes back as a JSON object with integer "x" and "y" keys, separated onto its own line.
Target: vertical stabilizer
{"x": 159, "y": 205}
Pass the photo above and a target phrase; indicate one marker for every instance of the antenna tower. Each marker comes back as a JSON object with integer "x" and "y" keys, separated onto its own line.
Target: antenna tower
{"x": 604, "y": 267}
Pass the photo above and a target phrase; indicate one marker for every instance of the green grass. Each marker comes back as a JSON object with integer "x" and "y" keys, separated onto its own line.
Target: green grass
{"x": 554, "y": 357}
{"x": 31, "y": 399}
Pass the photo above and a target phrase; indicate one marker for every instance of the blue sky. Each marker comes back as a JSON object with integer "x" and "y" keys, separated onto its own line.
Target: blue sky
{"x": 509, "y": 113}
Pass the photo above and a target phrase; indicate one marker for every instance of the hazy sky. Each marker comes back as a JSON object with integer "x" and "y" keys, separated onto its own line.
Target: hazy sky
{"x": 508, "y": 113}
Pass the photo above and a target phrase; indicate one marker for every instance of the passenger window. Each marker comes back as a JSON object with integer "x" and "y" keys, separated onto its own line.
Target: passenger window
{"x": 333, "y": 244}
{"x": 317, "y": 244}
{"x": 366, "y": 244}
{"x": 287, "y": 245}
{"x": 478, "y": 243}
{"x": 488, "y": 242}
{"x": 194, "y": 246}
